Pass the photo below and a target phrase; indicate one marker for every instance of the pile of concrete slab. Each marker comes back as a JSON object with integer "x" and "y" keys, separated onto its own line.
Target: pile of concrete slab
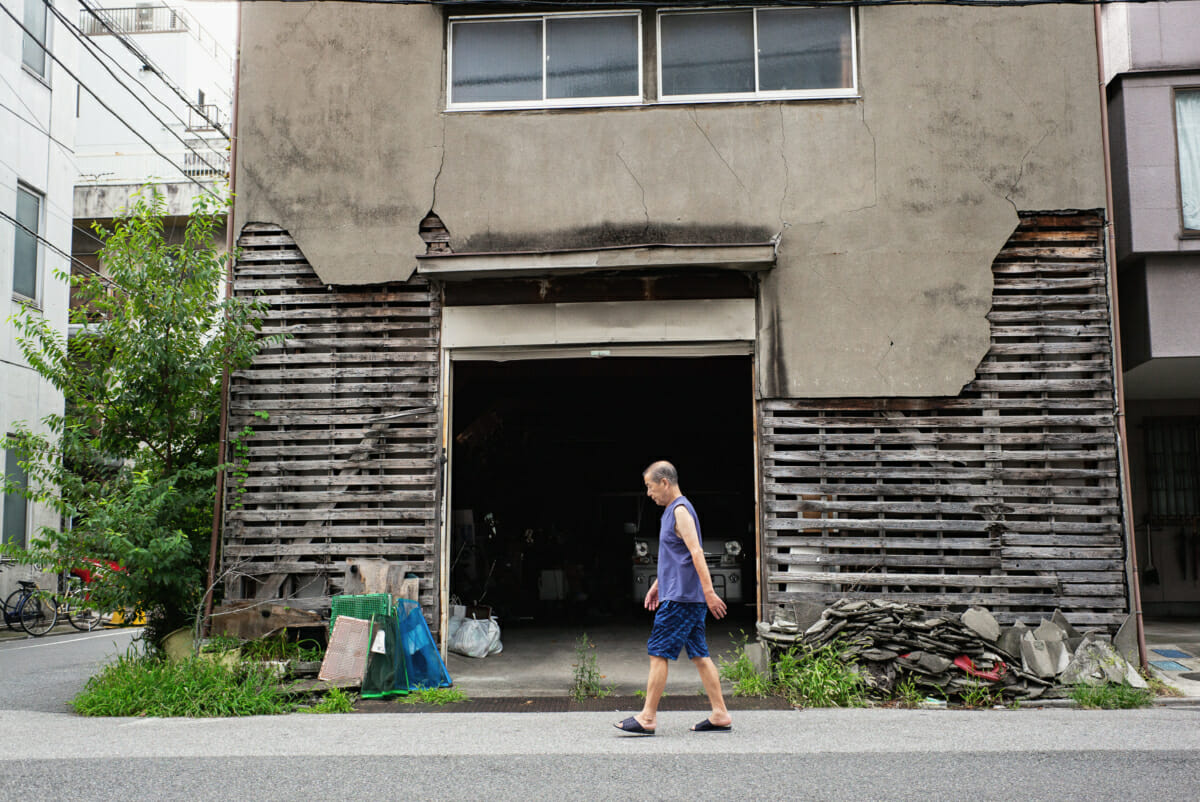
{"x": 948, "y": 653}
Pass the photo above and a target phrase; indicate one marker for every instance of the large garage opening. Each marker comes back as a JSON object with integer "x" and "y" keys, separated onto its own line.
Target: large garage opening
{"x": 550, "y": 525}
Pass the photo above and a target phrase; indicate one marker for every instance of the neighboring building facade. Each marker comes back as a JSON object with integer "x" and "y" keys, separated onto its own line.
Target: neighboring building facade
{"x": 1152, "y": 65}
{"x": 844, "y": 266}
{"x": 178, "y": 94}
{"x": 37, "y": 173}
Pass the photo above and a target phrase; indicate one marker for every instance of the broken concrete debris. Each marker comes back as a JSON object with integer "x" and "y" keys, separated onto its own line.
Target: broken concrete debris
{"x": 951, "y": 653}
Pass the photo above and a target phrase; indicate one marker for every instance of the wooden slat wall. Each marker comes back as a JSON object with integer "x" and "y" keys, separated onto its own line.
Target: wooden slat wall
{"x": 347, "y": 461}
{"x": 1005, "y": 496}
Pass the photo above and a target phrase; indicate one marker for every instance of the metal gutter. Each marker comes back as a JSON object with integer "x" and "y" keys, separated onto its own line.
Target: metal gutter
{"x": 214, "y": 547}
{"x": 1135, "y": 589}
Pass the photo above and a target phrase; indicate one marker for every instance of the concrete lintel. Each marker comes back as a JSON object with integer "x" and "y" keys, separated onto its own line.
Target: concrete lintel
{"x": 753, "y": 257}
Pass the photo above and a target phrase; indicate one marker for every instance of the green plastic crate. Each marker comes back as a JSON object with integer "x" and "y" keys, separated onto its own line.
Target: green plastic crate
{"x": 363, "y": 606}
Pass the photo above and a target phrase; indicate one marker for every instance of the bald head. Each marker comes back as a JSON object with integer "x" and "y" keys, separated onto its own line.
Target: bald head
{"x": 661, "y": 470}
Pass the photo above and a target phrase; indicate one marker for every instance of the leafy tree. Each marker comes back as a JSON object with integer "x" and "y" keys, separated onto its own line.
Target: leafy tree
{"x": 131, "y": 465}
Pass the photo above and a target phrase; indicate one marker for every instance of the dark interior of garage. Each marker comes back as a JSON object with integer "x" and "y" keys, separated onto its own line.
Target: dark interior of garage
{"x": 547, "y": 497}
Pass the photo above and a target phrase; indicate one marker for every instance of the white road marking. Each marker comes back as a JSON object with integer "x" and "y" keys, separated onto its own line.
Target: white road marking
{"x": 71, "y": 640}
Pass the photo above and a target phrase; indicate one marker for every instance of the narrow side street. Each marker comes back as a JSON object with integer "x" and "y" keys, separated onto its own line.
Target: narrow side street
{"x": 817, "y": 754}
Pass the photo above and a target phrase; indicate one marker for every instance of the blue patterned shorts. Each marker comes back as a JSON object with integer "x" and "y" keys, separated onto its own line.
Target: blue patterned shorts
{"x": 678, "y": 624}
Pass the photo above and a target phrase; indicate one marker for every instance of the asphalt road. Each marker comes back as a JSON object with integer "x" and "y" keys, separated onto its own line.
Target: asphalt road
{"x": 44, "y": 674}
{"x": 1027, "y": 754}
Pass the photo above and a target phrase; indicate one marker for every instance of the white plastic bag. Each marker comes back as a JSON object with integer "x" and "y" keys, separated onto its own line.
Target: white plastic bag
{"x": 475, "y": 638}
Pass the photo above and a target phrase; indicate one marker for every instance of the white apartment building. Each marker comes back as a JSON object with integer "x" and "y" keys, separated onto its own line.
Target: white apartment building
{"x": 168, "y": 76}
{"x": 37, "y": 176}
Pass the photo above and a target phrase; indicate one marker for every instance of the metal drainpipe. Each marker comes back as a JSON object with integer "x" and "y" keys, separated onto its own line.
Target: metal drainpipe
{"x": 214, "y": 546}
{"x": 1135, "y": 587}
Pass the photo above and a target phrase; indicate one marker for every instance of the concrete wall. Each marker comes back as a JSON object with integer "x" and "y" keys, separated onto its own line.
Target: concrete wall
{"x": 1146, "y": 163}
{"x": 888, "y": 209}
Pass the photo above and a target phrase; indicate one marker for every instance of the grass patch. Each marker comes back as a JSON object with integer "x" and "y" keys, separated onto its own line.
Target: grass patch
{"x": 434, "y": 696}
{"x": 336, "y": 701}
{"x": 1157, "y": 686}
{"x": 804, "y": 677}
{"x": 1111, "y": 697}
{"x": 740, "y": 672}
{"x": 586, "y": 677}
{"x": 907, "y": 694}
{"x": 140, "y": 684}
{"x": 278, "y": 647}
{"x": 979, "y": 696}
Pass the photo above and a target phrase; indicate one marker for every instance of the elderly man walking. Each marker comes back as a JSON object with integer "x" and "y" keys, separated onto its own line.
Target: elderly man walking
{"x": 681, "y": 596}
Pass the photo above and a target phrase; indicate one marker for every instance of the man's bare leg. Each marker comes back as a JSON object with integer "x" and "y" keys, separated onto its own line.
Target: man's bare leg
{"x": 712, "y": 686}
{"x": 655, "y": 684}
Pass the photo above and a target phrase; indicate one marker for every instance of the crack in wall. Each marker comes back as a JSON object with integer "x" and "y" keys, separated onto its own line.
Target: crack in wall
{"x": 1021, "y": 167}
{"x": 628, "y": 169}
{"x": 441, "y": 163}
{"x": 787, "y": 172}
{"x": 874, "y": 162}
{"x": 703, "y": 133}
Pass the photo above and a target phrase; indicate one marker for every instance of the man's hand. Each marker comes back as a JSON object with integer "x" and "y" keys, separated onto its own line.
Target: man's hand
{"x": 651, "y": 602}
{"x": 715, "y": 605}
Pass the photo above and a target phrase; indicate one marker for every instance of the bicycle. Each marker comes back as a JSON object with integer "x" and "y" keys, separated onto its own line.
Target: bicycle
{"x": 75, "y": 605}
{"x": 35, "y": 609}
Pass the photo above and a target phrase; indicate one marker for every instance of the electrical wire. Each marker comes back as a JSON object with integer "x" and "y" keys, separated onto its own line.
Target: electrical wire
{"x": 132, "y": 47}
{"x": 108, "y": 108}
{"x": 89, "y": 47}
{"x": 5, "y": 215}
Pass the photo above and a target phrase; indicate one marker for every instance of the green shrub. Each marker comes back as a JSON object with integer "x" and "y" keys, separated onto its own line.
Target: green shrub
{"x": 1111, "y": 697}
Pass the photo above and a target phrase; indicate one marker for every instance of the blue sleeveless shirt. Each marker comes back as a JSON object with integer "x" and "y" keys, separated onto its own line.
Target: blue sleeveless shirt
{"x": 677, "y": 577}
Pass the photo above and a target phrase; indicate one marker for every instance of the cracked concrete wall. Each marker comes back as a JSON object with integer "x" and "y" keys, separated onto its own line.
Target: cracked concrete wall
{"x": 889, "y": 209}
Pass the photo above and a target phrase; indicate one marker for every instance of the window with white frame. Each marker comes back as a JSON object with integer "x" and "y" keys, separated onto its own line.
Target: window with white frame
{"x": 33, "y": 48}
{"x": 756, "y": 53}
{"x": 16, "y": 506}
{"x": 539, "y": 60}
{"x": 1187, "y": 131}
{"x": 25, "y": 243}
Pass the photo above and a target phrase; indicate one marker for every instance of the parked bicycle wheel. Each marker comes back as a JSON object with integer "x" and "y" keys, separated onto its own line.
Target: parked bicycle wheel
{"x": 10, "y": 609}
{"x": 39, "y": 614}
{"x": 82, "y": 618}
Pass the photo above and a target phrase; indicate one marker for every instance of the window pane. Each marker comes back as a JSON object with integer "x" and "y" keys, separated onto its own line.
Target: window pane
{"x": 592, "y": 57}
{"x": 707, "y": 53}
{"x": 803, "y": 48}
{"x": 1187, "y": 120}
{"x": 25, "y": 248}
{"x": 32, "y": 52}
{"x": 15, "y": 506}
{"x": 496, "y": 61}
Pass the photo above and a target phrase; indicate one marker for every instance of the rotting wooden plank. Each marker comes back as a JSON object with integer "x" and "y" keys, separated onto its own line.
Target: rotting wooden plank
{"x": 945, "y": 561}
{"x": 868, "y": 578}
{"x": 939, "y": 489}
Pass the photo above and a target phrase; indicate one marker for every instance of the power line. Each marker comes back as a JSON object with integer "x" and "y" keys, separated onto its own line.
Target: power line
{"x": 55, "y": 248}
{"x": 124, "y": 39}
{"x": 87, "y": 46}
{"x": 36, "y": 125}
{"x": 108, "y": 108}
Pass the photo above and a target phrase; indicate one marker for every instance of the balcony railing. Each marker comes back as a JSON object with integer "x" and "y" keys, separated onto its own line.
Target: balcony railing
{"x": 153, "y": 19}
{"x": 138, "y": 168}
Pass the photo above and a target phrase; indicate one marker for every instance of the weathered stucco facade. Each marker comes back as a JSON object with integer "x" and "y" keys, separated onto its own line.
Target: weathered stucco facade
{"x": 888, "y": 209}
{"x": 905, "y": 290}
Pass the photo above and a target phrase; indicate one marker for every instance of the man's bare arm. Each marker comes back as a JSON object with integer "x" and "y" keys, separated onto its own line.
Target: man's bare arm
{"x": 685, "y": 527}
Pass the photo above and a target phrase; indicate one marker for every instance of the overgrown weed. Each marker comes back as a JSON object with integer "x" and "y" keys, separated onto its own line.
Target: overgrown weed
{"x": 586, "y": 676}
{"x": 142, "y": 684}
{"x": 1111, "y": 697}
{"x": 434, "y": 696}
